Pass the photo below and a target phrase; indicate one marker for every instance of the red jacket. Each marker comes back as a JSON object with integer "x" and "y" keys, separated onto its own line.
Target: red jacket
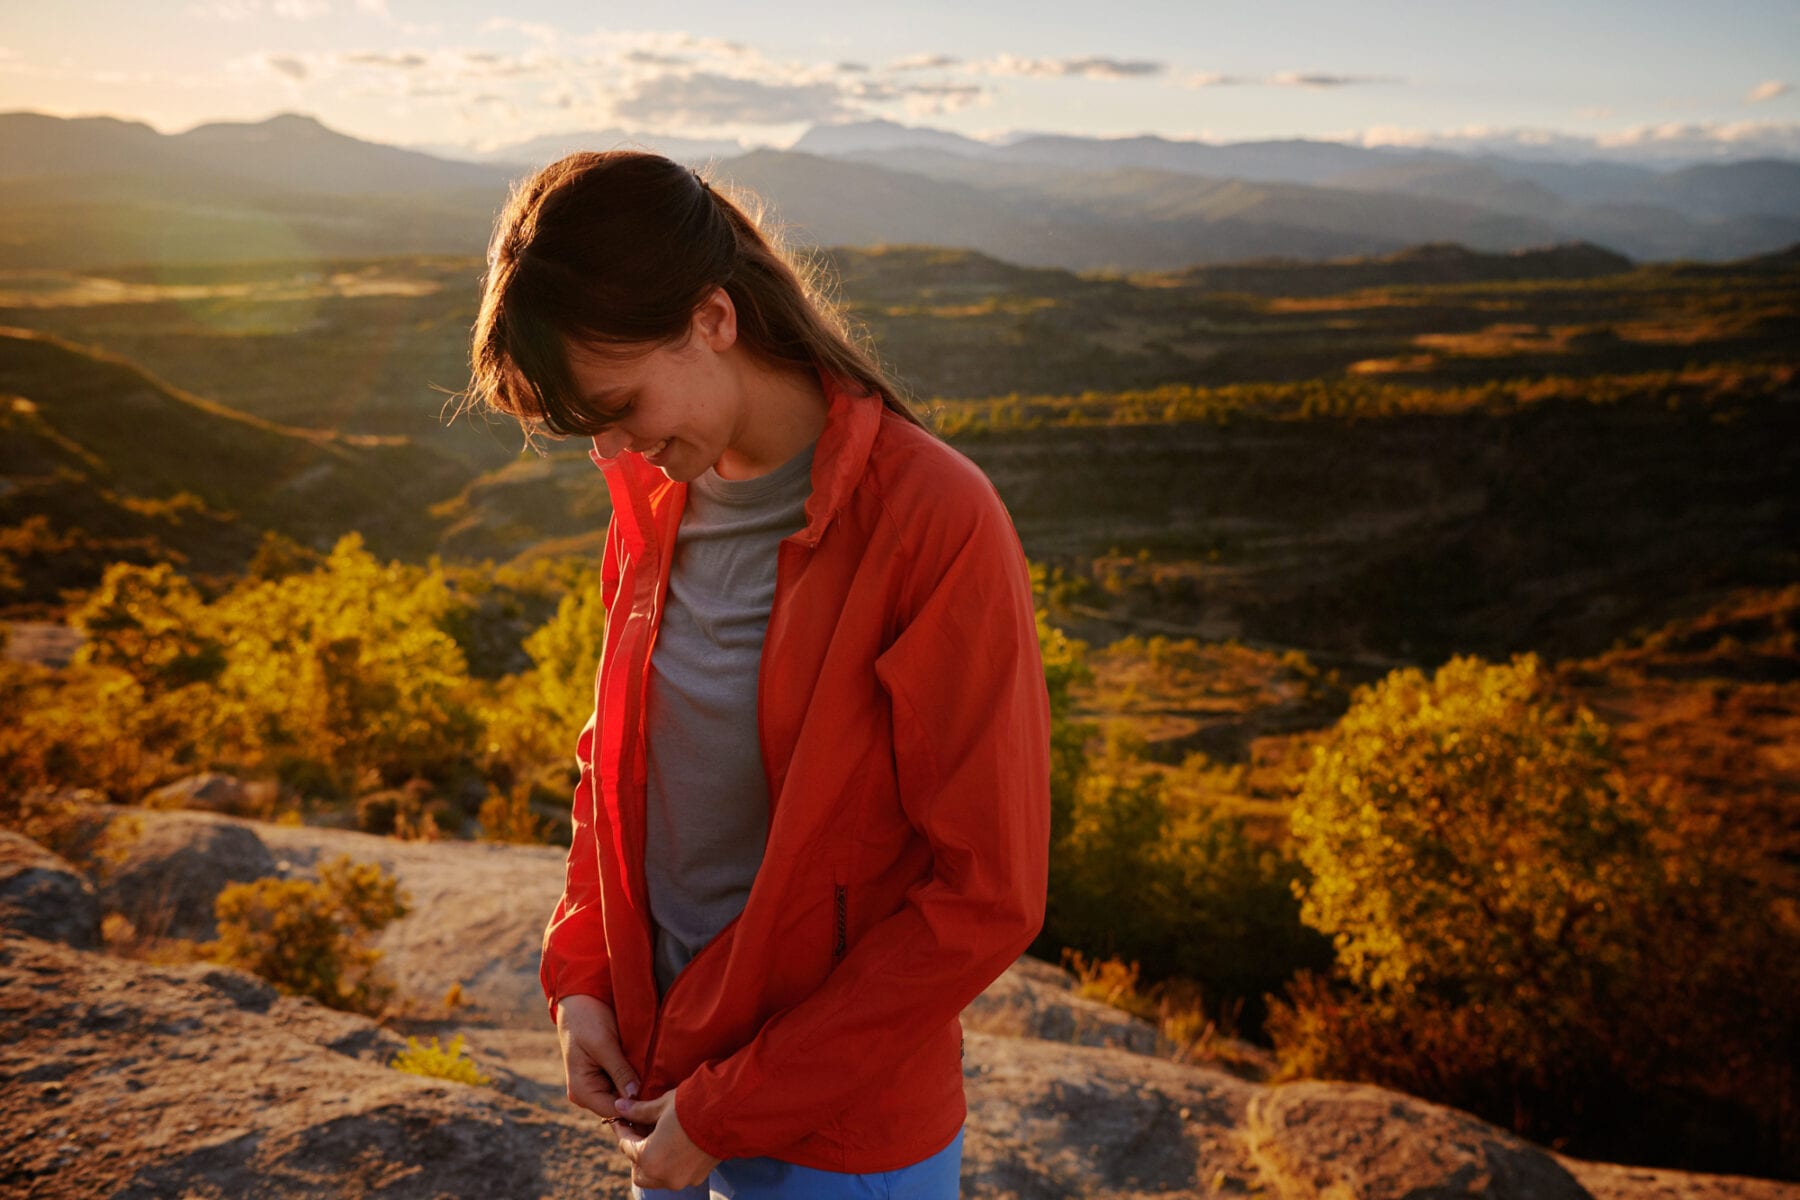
{"x": 905, "y": 732}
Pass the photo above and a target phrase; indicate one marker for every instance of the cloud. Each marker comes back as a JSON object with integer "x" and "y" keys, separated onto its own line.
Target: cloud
{"x": 1768, "y": 89}
{"x": 244, "y": 10}
{"x": 651, "y": 58}
{"x": 706, "y": 99}
{"x": 932, "y": 99}
{"x": 224, "y": 10}
{"x": 1670, "y": 144}
{"x": 369, "y": 58}
{"x": 1052, "y": 68}
{"x": 286, "y": 64}
{"x": 537, "y": 31}
{"x": 924, "y": 62}
{"x": 1307, "y": 79}
{"x": 1206, "y": 79}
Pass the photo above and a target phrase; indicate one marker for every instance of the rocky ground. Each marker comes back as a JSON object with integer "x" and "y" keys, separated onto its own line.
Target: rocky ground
{"x": 124, "y": 1078}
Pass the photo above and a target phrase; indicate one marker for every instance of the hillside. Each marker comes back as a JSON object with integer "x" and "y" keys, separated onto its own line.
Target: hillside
{"x": 103, "y": 461}
{"x": 1423, "y": 265}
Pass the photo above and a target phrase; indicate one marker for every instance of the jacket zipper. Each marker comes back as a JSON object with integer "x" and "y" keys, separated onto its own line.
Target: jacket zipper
{"x": 662, "y": 1004}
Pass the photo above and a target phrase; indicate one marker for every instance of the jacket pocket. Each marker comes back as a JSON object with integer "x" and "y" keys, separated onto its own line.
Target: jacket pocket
{"x": 841, "y": 921}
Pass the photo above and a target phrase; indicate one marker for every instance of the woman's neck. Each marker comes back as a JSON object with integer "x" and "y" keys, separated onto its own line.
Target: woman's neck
{"x": 783, "y": 412}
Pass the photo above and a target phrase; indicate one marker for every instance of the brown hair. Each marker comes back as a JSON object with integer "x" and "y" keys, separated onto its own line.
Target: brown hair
{"x": 616, "y": 251}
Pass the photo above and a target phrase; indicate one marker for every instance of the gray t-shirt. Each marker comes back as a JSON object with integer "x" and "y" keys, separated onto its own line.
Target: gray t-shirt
{"x": 707, "y": 803}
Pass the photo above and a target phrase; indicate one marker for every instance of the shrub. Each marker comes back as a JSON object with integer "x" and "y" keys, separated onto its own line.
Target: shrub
{"x": 1174, "y": 1006}
{"x": 440, "y": 1062}
{"x": 507, "y": 816}
{"x": 1524, "y": 932}
{"x": 311, "y": 938}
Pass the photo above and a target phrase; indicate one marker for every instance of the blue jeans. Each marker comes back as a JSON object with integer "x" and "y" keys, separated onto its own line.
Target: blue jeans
{"x": 934, "y": 1178}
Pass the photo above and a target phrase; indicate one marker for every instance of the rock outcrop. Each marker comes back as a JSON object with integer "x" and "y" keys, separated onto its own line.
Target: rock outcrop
{"x": 121, "y": 1078}
{"x": 141, "y": 1082}
{"x": 42, "y": 896}
{"x": 169, "y": 867}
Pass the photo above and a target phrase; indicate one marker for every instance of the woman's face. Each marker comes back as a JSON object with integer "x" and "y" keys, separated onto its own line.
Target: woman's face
{"x": 678, "y": 406}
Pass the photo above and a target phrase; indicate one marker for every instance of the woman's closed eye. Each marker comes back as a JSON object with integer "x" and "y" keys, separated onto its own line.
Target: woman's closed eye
{"x": 603, "y": 417}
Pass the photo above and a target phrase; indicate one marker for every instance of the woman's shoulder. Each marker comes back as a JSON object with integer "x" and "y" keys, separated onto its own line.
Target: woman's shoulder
{"x": 928, "y": 488}
{"x": 908, "y": 458}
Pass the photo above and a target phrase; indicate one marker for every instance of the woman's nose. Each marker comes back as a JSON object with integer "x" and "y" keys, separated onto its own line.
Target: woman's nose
{"x": 611, "y": 443}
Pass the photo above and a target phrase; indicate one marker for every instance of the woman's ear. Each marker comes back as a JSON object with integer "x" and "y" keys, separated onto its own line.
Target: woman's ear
{"x": 715, "y": 320}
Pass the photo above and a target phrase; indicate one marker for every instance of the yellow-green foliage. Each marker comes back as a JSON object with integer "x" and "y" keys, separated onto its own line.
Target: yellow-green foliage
{"x": 340, "y": 674}
{"x": 311, "y": 938}
{"x": 1136, "y": 870}
{"x": 1466, "y": 828}
{"x": 347, "y": 666}
{"x": 440, "y": 1062}
{"x": 332, "y": 674}
{"x": 539, "y": 714}
{"x": 566, "y": 650}
{"x": 507, "y": 816}
{"x": 1348, "y": 398}
{"x": 87, "y": 726}
{"x": 1526, "y": 932}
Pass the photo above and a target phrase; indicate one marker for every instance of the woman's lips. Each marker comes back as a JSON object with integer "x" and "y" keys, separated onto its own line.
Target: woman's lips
{"x": 655, "y": 452}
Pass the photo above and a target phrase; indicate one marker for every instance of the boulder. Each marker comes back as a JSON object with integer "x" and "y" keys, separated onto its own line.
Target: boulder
{"x": 211, "y": 791}
{"x": 1321, "y": 1139}
{"x": 42, "y": 896}
{"x": 476, "y": 917}
{"x": 1037, "y": 999}
{"x": 141, "y": 1082}
{"x": 165, "y": 869}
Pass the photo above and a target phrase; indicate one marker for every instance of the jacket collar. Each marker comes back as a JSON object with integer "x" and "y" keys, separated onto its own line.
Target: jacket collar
{"x": 843, "y": 452}
{"x": 842, "y": 455}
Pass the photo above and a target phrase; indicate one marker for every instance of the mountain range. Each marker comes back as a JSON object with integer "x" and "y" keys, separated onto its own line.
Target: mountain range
{"x": 99, "y": 191}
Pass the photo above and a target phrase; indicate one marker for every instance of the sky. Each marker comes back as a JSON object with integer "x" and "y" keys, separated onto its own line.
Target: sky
{"x": 1629, "y": 78}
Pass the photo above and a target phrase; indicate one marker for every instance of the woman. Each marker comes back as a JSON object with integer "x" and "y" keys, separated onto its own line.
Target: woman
{"x": 813, "y": 811}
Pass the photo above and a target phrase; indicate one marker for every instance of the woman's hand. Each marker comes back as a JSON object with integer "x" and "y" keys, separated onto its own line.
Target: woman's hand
{"x": 593, "y": 1063}
{"x": 664, "y": 1157}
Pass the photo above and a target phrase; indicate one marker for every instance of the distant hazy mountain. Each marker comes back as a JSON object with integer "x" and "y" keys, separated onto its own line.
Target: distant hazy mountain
{"x": 539, "y": 151}
{"x": 1758, "y": 187}
{"x": 1291, "y": 161}
{"x": 98, "y": 191}
{"x": 1461, "y": 181}
{"x": 882, "y": 137}
{"x": 287, "y": 153}
{"x": 1138, "y": 219}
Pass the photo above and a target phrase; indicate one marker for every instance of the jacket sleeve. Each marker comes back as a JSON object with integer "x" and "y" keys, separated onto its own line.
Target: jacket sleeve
{"x": 574, "y": 960}
{"x": 971, "y": 729}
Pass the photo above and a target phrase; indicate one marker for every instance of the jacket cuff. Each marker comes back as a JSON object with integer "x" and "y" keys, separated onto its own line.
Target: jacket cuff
{"x": 569, "y": 982}
{"x": 698, "y": 1121}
